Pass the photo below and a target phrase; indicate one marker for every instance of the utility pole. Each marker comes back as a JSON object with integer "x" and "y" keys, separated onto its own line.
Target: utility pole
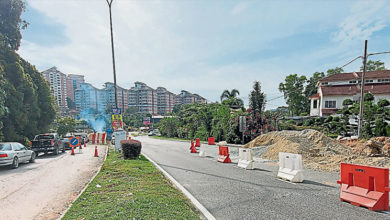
{"x": 362, "y": 91}
{"x": 109, "y": 2}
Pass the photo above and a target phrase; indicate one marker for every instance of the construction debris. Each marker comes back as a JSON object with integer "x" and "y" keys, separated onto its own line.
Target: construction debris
{"x": 320, "y": 152}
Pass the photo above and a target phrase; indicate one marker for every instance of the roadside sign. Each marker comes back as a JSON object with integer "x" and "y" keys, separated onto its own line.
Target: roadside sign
{"x": 74, "y": 142}
{"x": 116, "y": 111}
{"x": 146, "y": 120}
{"x": 119, "y": 136}
{"x": 117, "y": 121}
{"x": 242, "y": 124}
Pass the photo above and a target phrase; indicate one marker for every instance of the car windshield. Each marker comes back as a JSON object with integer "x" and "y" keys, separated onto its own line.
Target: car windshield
{"x": 5, "y": 147}
{"x": 44, "y": 137}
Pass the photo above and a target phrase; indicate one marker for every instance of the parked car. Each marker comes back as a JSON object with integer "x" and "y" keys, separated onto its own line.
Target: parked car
{"x": 45, "y": 143}
{"x": 65, "y": 142}
{"x": 14, "y": 153}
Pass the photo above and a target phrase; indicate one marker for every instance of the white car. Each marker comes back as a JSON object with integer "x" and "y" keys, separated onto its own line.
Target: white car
{"x": 12, "y": 153}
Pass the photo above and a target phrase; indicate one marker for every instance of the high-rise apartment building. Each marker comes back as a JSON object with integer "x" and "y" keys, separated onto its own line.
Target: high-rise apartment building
{"x": 122, "y": 96}
{"x": 87, "y": 97}
{"x": 186, "y": 97}
{"x": 165, "y": 100}
{"x": 144, "y": 98}
{"x": 58, "y": 86}
{"x": 159, "y": 101}
{"x": 73, "y": 82}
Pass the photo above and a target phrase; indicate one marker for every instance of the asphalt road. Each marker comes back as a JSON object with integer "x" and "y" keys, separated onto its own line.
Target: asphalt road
{"x": 229, "y": 192}
{"x": 44, "y": 189}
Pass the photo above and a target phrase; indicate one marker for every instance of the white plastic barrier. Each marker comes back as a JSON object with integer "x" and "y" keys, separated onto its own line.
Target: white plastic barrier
{"x": 202, "y": 150}
{"x": 245, "y": 158}
{"x": 290, "y": 167}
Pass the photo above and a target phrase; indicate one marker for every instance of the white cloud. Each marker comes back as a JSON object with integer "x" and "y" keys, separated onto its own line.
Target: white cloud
{"x": 239, "y": 8}
{"x": 366, "y": 17}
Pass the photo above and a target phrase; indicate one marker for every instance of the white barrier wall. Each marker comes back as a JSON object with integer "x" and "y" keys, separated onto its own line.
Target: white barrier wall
{"x": 245, "y": 158}
{"x": 290, "y": 167}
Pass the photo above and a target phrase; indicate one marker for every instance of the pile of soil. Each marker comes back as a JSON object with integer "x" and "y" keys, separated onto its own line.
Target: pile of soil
{"x": 318, "y": 151}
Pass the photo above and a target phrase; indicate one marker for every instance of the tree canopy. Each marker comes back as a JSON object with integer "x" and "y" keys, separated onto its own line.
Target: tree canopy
{"x": 11, "y": 23}
{"x": 373, "y": 65}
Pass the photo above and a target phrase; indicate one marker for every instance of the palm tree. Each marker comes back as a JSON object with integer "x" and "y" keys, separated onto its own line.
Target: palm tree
{"x": 230, "y": 98}
{"x": 229, "y": 94}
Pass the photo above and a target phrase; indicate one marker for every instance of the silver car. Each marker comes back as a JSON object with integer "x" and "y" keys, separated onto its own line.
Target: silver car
{"x": 12, "y": 153}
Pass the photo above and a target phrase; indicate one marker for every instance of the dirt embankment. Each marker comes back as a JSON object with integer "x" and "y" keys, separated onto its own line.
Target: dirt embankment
{"x": 320, "y": 152}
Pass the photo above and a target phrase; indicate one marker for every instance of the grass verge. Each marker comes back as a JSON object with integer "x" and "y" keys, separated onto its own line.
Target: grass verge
{"x": 131, "y": 189}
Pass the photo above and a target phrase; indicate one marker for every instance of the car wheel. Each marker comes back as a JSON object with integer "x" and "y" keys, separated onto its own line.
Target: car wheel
{"x": 33, "y": 156}
{"x": 63, "y": 149}
{"x": 15, "y": 163}
{"x": 55, "y": 151}
{"x": 36, "y": 154}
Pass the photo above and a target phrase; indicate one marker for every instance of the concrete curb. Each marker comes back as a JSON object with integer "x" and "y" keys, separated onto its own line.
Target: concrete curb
{"x": 85, "y": 187}
{"x": 193, "y": 200}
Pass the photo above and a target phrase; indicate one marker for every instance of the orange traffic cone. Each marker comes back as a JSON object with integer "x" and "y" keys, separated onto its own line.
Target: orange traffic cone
{"x": 193, "y": 149}
{"x": 96, "y": 152}
{"x": 72, "y": 151}
{"x": 85, "y": 144}
{"x": 81, "y": 147}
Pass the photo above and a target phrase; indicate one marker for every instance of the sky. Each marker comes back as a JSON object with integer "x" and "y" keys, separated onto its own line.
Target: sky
{"x": 204, "y": 46}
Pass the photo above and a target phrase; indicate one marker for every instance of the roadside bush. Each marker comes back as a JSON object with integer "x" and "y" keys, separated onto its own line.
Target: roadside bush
{"x": 131, "y": 149}
{"x": 309, "y": 122}
{"x": 291, "y": 122}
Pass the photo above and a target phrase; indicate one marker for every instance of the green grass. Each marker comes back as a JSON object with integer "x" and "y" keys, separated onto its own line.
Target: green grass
{"x": 131, "y": 189}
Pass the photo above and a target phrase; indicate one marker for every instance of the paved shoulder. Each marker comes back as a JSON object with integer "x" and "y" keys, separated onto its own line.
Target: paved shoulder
{"x": 42, "y": 190}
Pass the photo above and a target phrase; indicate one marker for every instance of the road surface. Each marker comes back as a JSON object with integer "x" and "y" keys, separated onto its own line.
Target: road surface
{"x": 229, "y": 192}
{"x": 44, "y": 189}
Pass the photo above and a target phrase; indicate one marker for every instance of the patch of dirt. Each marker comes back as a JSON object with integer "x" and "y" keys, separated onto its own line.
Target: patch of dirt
{"x": 320, "y": 152}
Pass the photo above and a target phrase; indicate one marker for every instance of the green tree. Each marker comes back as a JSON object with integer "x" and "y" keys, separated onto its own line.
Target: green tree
{"x": 66, "y": 125}
{"x": 374, "y": 65}
{"x": 336, "y": 70}
{"x": 70, "y": 103}
{"x": 293, "y": 90}
{"x": 11, "y": 23}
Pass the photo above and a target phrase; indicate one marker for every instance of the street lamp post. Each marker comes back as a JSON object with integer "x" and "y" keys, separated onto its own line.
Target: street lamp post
{"x": 109, "y": 2}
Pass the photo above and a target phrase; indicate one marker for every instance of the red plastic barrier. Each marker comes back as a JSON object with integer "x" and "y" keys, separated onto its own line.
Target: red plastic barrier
{"x": 93, "y": 138}
{"x": 223, "y": 156}
{"x": 211, "y": 141}
{"x": 197, "y": 144}
{"x": 98, "y": 137}
{"x": 192, "y": 148}
{"x": 104, "y": 138}
{"x": 365, "y": 186}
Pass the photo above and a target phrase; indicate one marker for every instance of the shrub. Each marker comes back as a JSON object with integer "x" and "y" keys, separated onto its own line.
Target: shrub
{"x": 131, "y": 149}
{"x": 291, "y": 122}
{"x": 347, "y": 102}
{"x": 309, "y": 122}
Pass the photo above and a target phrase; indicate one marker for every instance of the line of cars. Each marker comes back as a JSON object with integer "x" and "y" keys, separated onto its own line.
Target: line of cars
{"x": 12, "y": 153}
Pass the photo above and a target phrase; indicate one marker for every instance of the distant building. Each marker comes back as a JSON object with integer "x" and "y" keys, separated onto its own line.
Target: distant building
{"x": 73, "y": 82}
{"x": 334, "y": 89}
{"x": 144, "y": 98}
{"x": 89, "y": 97}
{"x": 58, "y": 86}
{"x": 165, "y": 100}
{"x": 122, "y": 96}
{"x": 186, "y": 97}
{"x": 159, "y": 101}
